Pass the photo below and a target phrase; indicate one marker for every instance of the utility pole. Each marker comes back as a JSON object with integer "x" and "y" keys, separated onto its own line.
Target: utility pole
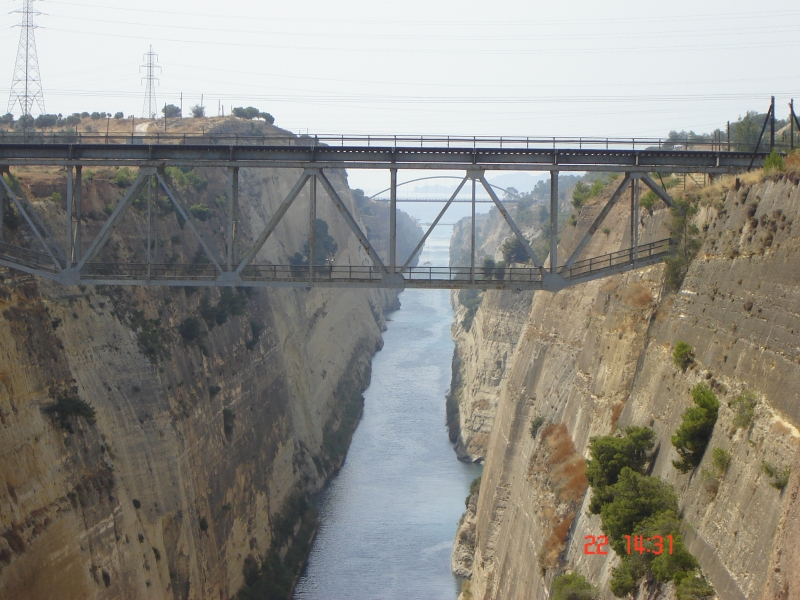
{"x": 150, "y": 110}
{"x": 26, "y": 85}
{"x": 772, "y": 125}
{"x": 181, "y": 104}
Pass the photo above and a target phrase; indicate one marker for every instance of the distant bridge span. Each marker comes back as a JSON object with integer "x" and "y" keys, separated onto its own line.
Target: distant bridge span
{"x": 232, "y": 261}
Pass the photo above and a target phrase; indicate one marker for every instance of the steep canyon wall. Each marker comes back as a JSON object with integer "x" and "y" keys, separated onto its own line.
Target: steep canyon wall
{"x": 598, "y": 357}
{"x": 205, "y": 439}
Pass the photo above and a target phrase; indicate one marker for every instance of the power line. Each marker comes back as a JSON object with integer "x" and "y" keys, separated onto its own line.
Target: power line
{"x": 26, "y": 85}
{"x": 150, "y": 110}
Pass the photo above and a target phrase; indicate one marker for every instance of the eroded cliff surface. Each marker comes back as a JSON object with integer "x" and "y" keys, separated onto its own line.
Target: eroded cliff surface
{"x": 205, "y": 439}
{"x": 599, "y": 357}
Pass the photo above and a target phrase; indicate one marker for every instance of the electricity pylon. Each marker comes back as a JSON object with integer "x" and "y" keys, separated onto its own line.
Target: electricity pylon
{"x": 150, "y": 110}
{"x": 26, "y": 86}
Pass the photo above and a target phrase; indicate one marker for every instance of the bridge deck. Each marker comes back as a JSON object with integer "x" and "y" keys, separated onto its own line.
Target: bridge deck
{"x": 298, "y": 155}
{"x": 431, "y": 277}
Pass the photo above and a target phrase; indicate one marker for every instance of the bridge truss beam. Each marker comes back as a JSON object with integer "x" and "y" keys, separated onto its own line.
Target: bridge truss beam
{"x": 72, "y": 265}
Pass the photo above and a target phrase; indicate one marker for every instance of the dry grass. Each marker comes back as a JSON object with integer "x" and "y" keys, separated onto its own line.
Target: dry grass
{"x": 636, "y": 295}
{"x": 555, "y": 544}
{"x": 617, "y": 412}
{"x": 566, "y": 469}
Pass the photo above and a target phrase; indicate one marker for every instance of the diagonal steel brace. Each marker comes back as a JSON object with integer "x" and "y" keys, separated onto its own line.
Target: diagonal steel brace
{"x": 351, "y": 222}
{"x": 435, "y": 222}
{"x": 114, "y": 219}
{"x": 273, "y": 222}
{"x": 657, "y": 190}
{"x": 204, "y": 243}
{"x": 30, "y": 218}
{"x": 536, "y": 262}
{"x": 597, "y": 222}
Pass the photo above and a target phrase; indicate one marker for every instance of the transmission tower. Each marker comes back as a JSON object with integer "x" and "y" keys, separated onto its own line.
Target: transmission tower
{"x": 150, "y": 110}
{"x": 26, "y": 86}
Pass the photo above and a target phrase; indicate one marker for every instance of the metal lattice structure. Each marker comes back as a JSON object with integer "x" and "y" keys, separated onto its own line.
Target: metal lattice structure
{"x": 233, "y": 262}
{"x": 26, "y": 85}
{"x": 150, "y": 109}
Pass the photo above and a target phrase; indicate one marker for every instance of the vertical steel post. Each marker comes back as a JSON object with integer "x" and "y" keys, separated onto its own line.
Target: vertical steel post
{"x": 634, "y": 254}
{"x": 76, "y": 201}
{"x": 772, "y": 124}
{"x": 149, "y": 223}
{"x": 70, "y": 242}
{"x": 472, "y": 253}
{"x": 393, "y": 223}
{"x": 729, "y": 136}
{"x": 2, "y": 208}
{"x": 553, "y": 221}
{"x": 155, "y": 228}
{"x": 312, "y": 236}
{"x": 233, "y": 209}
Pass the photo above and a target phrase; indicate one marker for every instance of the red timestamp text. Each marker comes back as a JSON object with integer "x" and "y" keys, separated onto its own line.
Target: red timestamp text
{"x": 652, "y": 545}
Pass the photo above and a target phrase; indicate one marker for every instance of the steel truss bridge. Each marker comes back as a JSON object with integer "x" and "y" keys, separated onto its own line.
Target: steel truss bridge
{"x": 72, "y": 262}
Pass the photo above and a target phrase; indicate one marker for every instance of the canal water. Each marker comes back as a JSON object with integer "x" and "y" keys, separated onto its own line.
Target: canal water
{"x": 387, "y": 521}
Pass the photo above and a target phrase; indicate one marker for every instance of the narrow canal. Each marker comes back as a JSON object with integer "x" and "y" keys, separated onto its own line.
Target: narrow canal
{"x": 387, "y": 521}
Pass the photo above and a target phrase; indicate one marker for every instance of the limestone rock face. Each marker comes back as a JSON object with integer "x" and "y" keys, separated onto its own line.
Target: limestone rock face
{"x": 599, "y": 356}
{"x": 196, "y": 446}
{"x": 483, "y": 355}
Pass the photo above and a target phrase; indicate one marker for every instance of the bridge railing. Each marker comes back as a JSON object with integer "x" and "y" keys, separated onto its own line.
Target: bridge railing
{"x": 589, "y": 266}
{"x": 28, "y": 258}
{"x": 383, "y": 141}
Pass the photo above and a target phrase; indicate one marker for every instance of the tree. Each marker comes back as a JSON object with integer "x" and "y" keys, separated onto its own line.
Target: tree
{"x": 514, "y": 251}
{"x": 745, "y": 131}
{"x": 636, "y": 497}
{"x": 23, "y": 123}
{"x": 170, "y": 111}
{"x": 573, "y": 586}
{"x": 682, "y": 355}
{"x": 612, "y": 454}
{"x": 198, "y": 112}
{"x": 7, "y": 119}
{"x": 119, "y": 115}
{"x": 251, "y": 112}
{"x": 692, "y": 437}
{"x": 45, "y": 121}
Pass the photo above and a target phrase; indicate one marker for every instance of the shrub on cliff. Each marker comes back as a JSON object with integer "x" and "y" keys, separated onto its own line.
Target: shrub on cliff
{"x": 573, "y": 586}
{"x": 610, "y": 455}
{"x": 190, "y": 329}
{"x": 744, "y": 409}
{"x": 692, "y": 437}
{"x": 636, "y": 497}
{"x": 535, "y": 425}
{"x": 514, "y": 251}
{"x": 682, "y": 355}
{"x": 67, "y": 405}
{"x": 779, "y": 476}
{"x": 774, "y": 163}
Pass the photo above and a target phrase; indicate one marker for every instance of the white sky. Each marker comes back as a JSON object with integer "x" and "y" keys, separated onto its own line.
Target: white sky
{"x": 472, "y": 67}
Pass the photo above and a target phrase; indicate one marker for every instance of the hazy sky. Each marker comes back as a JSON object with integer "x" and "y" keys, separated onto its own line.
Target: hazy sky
{"x": 471, "y": 67}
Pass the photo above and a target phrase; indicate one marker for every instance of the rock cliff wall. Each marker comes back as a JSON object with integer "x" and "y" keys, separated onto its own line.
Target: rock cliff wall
{"x": 599, "y": 357}
{"x": 203, "y": 438}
